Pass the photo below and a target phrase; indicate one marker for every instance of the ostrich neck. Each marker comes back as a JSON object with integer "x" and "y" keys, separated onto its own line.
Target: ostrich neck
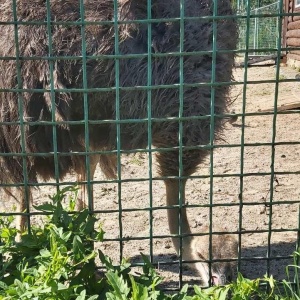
{"x": 188, "y": 247}
{"x": 177, "y": 218}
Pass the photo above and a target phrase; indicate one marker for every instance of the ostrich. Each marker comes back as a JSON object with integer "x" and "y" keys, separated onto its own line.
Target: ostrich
{"x": 44, "y": 81}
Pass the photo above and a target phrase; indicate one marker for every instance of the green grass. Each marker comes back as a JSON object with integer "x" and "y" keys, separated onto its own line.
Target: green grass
{"x": 57, "y": 261}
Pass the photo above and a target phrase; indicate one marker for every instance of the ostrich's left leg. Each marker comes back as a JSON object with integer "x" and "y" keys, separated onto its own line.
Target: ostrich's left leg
{"x": 82, "y": 177}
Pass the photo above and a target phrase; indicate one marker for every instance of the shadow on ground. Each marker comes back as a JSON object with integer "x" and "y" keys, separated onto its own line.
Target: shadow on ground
{"x": 254, "y": 264}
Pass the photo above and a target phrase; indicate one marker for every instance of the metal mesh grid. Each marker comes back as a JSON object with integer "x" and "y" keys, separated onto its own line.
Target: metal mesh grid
{"x": 250, "y": 41}
{"x": 262, "y": 29}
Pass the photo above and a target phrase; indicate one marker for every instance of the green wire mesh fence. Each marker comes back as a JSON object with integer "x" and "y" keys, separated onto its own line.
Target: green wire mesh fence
{"x": 263, "y": 31}
{"x": 103, "y": 92}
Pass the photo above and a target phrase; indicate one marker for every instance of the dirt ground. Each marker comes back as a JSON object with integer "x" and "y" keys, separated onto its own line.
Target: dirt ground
{"x": 254, "y": 160}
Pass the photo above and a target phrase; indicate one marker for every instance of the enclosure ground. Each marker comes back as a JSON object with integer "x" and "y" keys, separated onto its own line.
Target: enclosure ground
{"x": 282, "y": 217}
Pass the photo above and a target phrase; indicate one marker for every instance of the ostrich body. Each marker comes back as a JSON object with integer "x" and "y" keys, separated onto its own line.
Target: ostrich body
{"x": 40, "y": 107}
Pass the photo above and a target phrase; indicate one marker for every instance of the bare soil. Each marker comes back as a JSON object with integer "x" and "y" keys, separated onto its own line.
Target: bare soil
{"x": 256, "y": 187}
